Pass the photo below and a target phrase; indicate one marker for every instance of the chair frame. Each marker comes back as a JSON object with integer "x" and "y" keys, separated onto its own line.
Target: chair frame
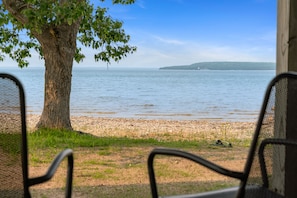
{"x": 242, "y": 176}
{"x": 67, "y": 153}
{"x": 264, "y": 143}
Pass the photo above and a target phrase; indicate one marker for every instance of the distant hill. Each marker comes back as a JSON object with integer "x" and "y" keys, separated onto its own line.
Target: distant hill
{"x": 225, "y": 66}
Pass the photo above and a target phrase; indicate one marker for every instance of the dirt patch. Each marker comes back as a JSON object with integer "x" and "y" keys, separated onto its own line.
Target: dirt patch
{"x": 127, "y": 167}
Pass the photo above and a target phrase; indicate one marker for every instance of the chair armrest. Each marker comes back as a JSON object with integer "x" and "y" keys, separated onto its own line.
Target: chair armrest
{"x": 67, "y": 153}
{"x": 189, "y": 156}
{"x": 264, "y": 143}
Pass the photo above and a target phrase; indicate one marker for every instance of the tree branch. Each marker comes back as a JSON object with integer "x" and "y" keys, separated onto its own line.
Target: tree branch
{"x": 15, "y": 7}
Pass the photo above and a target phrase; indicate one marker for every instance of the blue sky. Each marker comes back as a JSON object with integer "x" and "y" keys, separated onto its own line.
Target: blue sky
{"x": 180, "y": 32}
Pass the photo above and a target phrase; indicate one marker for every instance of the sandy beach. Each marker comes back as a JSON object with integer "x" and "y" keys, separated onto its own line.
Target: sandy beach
{"x": 161, "y": 129}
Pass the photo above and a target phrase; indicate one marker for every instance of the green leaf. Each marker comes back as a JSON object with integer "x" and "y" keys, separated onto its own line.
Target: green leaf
{"x": 97, "y": 29}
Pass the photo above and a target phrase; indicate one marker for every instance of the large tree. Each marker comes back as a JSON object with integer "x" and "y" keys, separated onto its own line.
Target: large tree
{"x": 53, "y": 28}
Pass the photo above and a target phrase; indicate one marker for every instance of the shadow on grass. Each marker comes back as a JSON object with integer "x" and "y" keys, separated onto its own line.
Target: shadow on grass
{"x": 133, "y": 190}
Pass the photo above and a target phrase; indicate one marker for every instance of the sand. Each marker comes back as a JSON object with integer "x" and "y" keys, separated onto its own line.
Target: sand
{"x": 162, "y": 129}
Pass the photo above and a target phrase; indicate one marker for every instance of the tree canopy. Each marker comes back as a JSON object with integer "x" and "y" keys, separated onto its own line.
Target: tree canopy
{"x": 23, "y": 21}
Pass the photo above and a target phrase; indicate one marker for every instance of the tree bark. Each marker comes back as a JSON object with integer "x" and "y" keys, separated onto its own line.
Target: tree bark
{"x": 58, "y": 47}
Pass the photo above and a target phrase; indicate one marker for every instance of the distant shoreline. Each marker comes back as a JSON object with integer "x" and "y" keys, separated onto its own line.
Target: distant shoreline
{"x": 224, "y": 66}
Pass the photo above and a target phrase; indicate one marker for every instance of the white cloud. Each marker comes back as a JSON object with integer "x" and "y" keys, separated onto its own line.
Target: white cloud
{"x": 173, "y": 53}
{"x": 140, "y": 3}
{"x": 192, "y": 53}
{"x": 157, "y": 51}
{"x": 269, "y": 36}
{"x": 169, "y": 41}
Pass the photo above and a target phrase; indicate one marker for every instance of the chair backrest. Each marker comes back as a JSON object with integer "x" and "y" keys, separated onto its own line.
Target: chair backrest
{"x": 13, "y": 142}
{"x": 272, "y": 123}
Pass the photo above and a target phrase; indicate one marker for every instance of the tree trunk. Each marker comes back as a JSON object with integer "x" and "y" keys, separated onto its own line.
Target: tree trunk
{"x": 58, "y": 47}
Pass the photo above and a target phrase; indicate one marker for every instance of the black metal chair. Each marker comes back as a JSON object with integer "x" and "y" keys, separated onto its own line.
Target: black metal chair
{"x": 257, "y": 179}
{"x": 14, "y": 179}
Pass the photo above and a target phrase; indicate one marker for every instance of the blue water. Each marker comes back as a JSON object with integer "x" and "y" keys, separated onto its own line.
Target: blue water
{"x": 155, "y": 94}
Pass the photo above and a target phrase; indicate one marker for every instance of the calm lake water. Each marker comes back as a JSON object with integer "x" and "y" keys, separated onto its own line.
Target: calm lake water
{"x": 155, "y": 94}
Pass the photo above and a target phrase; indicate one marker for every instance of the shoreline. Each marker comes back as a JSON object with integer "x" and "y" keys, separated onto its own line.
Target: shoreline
{"x": 158, "y": 129}
{"x": 233, "y": 116}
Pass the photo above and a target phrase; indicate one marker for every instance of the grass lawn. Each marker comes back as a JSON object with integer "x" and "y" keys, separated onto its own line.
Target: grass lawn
{"x": 117, "y": 166}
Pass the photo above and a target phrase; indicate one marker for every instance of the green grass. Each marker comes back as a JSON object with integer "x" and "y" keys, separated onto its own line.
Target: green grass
{"x": 57, "y": 139}
{"x": 10, "y": 143}
{"x": 45, "y": 142}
